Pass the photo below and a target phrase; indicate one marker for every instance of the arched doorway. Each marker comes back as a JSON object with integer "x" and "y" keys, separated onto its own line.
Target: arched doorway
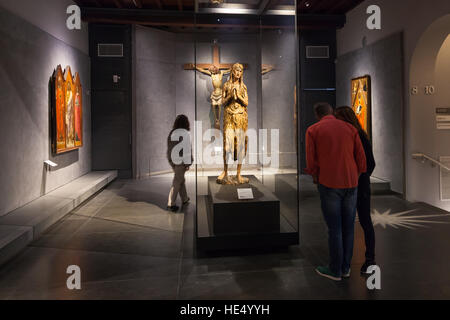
{"x": 430, "y": 89}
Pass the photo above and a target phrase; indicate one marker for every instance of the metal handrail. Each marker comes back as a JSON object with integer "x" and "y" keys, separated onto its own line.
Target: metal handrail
{"x": 424, "y": 156}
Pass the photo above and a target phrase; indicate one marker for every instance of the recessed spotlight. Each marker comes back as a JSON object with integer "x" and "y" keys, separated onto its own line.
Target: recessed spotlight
{"x": 307, "y": 4}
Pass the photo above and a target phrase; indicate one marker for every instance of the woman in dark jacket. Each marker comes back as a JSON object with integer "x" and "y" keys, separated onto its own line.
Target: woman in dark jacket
{"x": 363, "y": 204}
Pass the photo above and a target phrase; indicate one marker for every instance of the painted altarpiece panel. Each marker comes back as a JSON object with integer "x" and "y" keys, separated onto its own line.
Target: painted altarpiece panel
{"x": 67, "y": 111}
{"x": 362, "y": 103}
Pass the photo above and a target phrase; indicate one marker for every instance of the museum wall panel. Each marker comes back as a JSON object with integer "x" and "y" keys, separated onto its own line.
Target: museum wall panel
{"x": 26, "y": 68}
{"x": 383, "y": 62}
{"x": 185, "y": 80}
{"x": 278, "y": 49}
{"x": 111, "y": 86}
{"x": 318, "y": 80}
{"x": 318, "y": 73}
{"x": 155, "y": 98}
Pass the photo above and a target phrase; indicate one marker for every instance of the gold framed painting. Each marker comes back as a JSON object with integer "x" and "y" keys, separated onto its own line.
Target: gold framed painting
{"x": 362, "y": 102}
{"x": 66, "y": 111}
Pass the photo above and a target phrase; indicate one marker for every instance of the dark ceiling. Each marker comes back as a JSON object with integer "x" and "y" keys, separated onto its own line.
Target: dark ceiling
{"x": 311, "y": 14}
{"x": 326, "y": 6}
{"x": 304, "y": 6}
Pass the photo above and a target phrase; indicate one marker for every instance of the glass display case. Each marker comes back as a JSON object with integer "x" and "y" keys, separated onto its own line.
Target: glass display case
{"x": 246, "y": 126}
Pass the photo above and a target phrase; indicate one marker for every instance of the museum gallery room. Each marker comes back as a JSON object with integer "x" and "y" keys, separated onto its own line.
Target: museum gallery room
{"x": 172, "y": 149}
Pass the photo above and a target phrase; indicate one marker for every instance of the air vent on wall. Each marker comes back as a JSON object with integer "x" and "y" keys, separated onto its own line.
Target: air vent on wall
{"x": 317, "y": 52}
{"x": 110, "y": 50}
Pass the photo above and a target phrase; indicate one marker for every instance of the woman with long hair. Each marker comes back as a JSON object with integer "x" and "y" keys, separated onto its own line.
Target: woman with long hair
{"x": 179, "y": 162}
{"x": 235, "y": 124}
{"x": 363, "y": 203}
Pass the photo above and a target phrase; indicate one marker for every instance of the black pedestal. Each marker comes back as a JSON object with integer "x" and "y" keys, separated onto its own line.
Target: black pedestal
{"x": 226, "y": 223}
{"x": 230, "y": 215}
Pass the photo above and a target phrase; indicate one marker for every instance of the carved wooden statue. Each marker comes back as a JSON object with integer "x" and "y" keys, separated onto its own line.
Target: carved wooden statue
{"x": 235, "y": 124}
{"x": 216, "y": 96}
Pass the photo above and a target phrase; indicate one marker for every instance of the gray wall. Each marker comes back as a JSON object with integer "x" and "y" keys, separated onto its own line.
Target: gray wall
{"x": 383, "y": 61}
{"x": 429, "y": 66}
{"x": 185, "y": 80}
{"x": 155, "y": 98}
{"x": 278, "y": 48}
{"x": 50, "y": 16}
{"x": 27, "y": 60}
{"x": 163, "y": 89}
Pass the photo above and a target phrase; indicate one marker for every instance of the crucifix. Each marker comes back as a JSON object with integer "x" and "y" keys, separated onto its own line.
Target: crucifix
{"x": 215, "y": 70}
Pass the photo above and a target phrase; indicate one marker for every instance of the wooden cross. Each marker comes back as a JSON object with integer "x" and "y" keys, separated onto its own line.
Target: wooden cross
{"x": 265, "y": 68}
{"x": 216, "y": 62}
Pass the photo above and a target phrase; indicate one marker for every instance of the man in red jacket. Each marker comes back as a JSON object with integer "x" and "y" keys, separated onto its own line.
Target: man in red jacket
{"x": 335, "y": 159}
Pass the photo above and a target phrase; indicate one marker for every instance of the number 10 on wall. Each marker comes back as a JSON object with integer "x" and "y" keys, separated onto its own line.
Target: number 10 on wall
{"x": 428, "y": 90}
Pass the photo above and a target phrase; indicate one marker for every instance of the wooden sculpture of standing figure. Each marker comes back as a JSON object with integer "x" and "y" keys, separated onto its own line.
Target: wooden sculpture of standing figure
{"x": 235, "y": 124}
{"x": 216, "y": 96}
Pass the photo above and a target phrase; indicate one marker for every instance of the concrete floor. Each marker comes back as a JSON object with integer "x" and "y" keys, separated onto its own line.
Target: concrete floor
{"x": 129, "y": 247}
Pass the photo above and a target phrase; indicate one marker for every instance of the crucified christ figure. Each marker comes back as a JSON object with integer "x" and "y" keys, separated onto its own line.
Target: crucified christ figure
{"x": 216, "y": 96}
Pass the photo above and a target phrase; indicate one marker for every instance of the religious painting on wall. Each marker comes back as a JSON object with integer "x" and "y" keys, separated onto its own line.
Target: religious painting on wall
{"x": 361, "y": 102}
{"x": 59, "y": 110}
{"x": 67, "y": 111}
{"x": 78, "y": 119}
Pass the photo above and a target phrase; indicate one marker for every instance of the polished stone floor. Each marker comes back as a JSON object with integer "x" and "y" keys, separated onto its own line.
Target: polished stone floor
{"x": 129, "y": 247}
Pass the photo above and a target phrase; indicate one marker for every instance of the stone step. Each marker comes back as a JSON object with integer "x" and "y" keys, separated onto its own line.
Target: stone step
{"x": 379, "y": 186}
{"x": 23, "y": 225}
{"x": 12, "y": 240}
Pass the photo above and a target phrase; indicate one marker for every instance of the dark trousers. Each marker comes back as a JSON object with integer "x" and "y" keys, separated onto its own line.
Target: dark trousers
{"x": 339, "y": 211}
{"x": 363, "y": 208}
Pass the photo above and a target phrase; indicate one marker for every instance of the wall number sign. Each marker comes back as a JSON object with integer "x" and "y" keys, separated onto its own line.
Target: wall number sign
{"x": 428, "y": 90}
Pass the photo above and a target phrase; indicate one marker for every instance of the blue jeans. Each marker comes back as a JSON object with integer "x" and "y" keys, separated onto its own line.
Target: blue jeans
{"x": 339, "y": 210}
